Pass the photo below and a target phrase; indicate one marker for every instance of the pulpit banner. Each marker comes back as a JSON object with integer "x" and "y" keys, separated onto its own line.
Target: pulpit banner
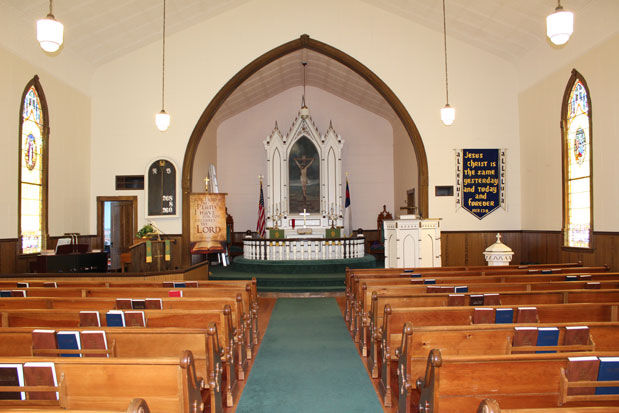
{"x": 207, "y": 222}
{"x": 480, "y": 180}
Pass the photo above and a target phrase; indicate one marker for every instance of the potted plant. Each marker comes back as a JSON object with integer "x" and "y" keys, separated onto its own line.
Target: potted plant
{"x": 146, "y": 232}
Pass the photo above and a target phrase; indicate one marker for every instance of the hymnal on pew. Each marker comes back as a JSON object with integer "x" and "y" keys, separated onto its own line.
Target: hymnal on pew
{"x": 18, "y": 293}
{"x": 576, "y": 335}
{"x": 115, "y": 318}
{"x": 429, "y": 281}
{"x": 44, "y": 339}
{"x": 526, "y": 315}
{"x": 90, "y": 319}
{"x": 12, "y": 375}
{"x": 40, "y": 374}
{"x": 5, "y": 293}
{"x": 50, "y": 284}
{"x": 175, "y": 293}
{"x": 138, "y": 304}
{"x": 609, "y": 371}
{"x": 492, "y": 299}
{"x": 94, "y": 340}
{"x": 461, "y": 289}
{"x": 504, "y": 316}
{"x": 23, "y": 285}
{"x": 525, "y": 336}
{"x": 456, "y": 300}
{"x": 123, "y": 304}
{"x": 153, "y": 303}
{"x": 582, "y": 369}
{"x": 482, "y": 315}
{"x": 68, "y": 340}
{"x": 179, "y": 284}
{"x": 476, "y": 299}
{"x": 134, "y": 319}
{"x": 547, "y": 336}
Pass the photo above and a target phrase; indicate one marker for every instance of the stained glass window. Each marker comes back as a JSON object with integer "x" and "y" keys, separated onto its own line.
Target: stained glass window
{"x": 32, "y": 180}
{"x": 577, "y": 165}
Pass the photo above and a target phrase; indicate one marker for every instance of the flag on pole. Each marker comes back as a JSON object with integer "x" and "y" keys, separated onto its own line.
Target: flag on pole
{"x": 347, "y": 212}
{"x": 261, "y": 225}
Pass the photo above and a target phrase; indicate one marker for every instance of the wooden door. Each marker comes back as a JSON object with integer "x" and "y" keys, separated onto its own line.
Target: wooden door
{"x": 121, "y": 230}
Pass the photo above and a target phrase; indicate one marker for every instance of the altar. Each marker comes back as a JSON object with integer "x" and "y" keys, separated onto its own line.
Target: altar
{"x": 304, "y": 203}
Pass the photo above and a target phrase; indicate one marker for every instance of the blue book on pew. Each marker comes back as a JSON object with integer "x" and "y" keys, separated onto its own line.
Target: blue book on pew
{"x": 68, "y": 340}
{"x": 115, "y": 318}
{"x": 546, "y": 271}
{"x": 407, "y": 270}
{"x": 547, "y": 336}
{"x": 429, "y": 281}
{"x": 571, "y": 278}
{"x": 5, "y": 293}
{"x": 504, "y": 316}
{"x": 415, "y": 275}
{"x": 609, "y": 371}
{"x": 461, "y": 289}
{"x": 179, "y": 285}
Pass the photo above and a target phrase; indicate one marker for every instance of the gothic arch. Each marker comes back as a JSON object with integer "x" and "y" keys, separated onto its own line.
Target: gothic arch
{"x": 304, "y": 42}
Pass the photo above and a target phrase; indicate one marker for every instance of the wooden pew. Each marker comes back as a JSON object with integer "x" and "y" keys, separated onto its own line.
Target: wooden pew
{"x": 140, "y": 342}
{"x": 167, "y": 384}
{"x": 481, "y": 339}
{"x": 460, "y": 383}
{"x": 492, "y": 406}
{"x": 135, "y": 406}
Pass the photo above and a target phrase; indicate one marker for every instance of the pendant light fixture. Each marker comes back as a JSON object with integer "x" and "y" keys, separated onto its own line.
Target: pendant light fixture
{"x": 560, "y": 25}
{"x": 448, "y": 113}
{"x": 162, "y": 119}
{"x": 304, "y": 109}
{"x": 50, "y": 32}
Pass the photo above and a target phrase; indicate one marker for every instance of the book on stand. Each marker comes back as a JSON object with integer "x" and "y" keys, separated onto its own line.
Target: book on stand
{"x": 456, "y": 300}
{"x": 5, "y": 293}
{"x": 12, "y": 375}
{"x": 135, "y": 319}
{"x": 504, "y": 316}
{"x": 592, "y": 285}
{"x": 582, "y": 369}
{"x": 192, "y": 284}
{"x": 153, "y": 304}
{"x": 429, "y": 281}
{"x": 526, "y": 315}
{"x": 525, "y": 336}
{"x": 115, "y": 318}
{"x": 68, "y": 340}
{"x": 94, "y": 340}
{"x": 175, "y": 293}
{"x": 476, "y": 299}
{"x": 547, "y": 336}
{"x": 179, "y": 284}
{"x": 168, "y": 284}
{"x": 461, "y": 289}
{"x": 90, "y": 319}
{"x": 50, "y": 284}
{"x": 609, "y": 371}
{"x": 492, "y": 299}
{"x": 40, "y": 374}
{"x": 123, "y": 303}
{"x": 44, "y": 339}
{"x": 482, "y": 315}
{"x": 23, "y": 284}
{"x": 576, "y": 335}
{"x": 18, "y": 293}
{"x": 138, "y": 304}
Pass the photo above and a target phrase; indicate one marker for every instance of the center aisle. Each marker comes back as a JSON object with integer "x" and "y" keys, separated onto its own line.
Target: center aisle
{"x": 307, "y": 362}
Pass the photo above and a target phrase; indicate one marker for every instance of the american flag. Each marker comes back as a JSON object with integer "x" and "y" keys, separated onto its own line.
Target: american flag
{"x": 261, "y": 225}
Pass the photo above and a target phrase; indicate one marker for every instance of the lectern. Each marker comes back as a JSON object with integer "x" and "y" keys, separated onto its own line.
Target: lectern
{"x": 158, "y": 261}
{"x": 412, "y": 242}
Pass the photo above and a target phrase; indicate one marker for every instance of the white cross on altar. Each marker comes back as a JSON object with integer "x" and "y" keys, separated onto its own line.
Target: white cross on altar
{"x": 304, "y": 214}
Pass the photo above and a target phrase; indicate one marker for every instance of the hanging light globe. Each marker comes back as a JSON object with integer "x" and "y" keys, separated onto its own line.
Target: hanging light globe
{"x": 50, "y": 33}
{"x": 560, "y": 26}
{"x": 448, "y": 115}
{"x": 162, "y": 120}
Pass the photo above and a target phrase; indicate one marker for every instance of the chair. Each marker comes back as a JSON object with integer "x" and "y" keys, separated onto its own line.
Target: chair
{"x": 377, "y": 247}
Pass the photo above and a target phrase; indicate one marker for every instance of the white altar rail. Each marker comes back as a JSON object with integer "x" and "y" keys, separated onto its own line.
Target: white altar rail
{"x": 303, "y": 249}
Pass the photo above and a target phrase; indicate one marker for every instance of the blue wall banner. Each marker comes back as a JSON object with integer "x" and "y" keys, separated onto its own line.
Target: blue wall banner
{"x": 480, "y": 180}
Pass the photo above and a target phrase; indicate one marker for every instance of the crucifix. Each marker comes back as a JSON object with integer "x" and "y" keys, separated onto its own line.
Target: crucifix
{"x": 304, "y": 214}
{"x": 206, "y": 184}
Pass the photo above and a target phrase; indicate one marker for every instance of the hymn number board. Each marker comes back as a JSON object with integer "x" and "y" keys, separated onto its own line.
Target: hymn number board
{"x": 162, "y": 188}
{"x": 480, "y": 180}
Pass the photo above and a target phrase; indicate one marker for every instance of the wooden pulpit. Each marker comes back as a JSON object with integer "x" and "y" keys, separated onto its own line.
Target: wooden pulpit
{"x": 140, "y": 261}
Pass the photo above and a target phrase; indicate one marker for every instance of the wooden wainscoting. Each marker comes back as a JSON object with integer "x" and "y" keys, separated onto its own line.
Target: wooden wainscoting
{"x": 467, "y": 247}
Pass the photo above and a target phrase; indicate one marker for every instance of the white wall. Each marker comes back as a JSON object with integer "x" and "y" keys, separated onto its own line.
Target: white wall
{"x": 407, "y": 57}
{"x": 367, "y": 153}
{"x": 540, "y": 114}
{"x": 69, "y": 148}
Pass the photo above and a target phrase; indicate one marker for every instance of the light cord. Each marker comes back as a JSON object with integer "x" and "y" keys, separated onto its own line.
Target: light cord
{"x": 445, "y": 44}
{"x": 163, "y": 62}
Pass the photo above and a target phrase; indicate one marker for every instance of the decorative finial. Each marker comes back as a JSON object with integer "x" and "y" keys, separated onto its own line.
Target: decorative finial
{"x": 206, "y": 184}
{"x": 260, "y": 177}
{"x": 498, "y": 237}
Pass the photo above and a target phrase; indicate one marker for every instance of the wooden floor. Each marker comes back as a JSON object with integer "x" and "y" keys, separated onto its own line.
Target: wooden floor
{"x": 266, "y": 304}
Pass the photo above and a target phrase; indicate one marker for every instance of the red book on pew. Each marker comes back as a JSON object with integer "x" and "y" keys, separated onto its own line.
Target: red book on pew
{"x": 123, "y": 304}
{"x": 526, "y": 315}
{"x": 592, "y": 285}
{"x": 44, "y": 339}
{"x": 476, "y": 299}
{"x": 433, "y": 289}
{"x": 153, "y": 304}
{"x": 18, "y": 293}
{"x": 23, "y": 284}
{"x": 525, "y": 336}
{"x": 50, "y": 284}
{"x": 138, "y": 304}
{"x": 134, "y": 319}
{"x": 576, "y": 335}
{"x": 175, "y": 293}
{"x": 492, "y": 299}
{"x": 191, "y": 284}
{"x": 168, "y": 284}
{"x": 582, "y": 369}
{"x": 94, "y": 340}
{"x": 456, "y": 300}
{"x": 90, "y": 319}
{"x": 483, "y": 315}
{"x": 40, "y": 374}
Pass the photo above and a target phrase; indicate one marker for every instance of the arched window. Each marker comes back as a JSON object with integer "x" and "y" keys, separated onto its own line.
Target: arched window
{"x": 33, "y": 144}
{"x": 576, "y": 128}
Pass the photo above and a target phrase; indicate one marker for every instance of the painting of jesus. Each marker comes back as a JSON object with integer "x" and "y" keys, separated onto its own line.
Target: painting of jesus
{"x": 304, "y": 177}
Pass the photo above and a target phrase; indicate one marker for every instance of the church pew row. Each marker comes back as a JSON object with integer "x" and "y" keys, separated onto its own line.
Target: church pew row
{"x": 514, "y": 381}
{"x": 233, "y": 361}
{"x": 248, "y": 316}
{"x": 389, "y": 336}
{"x": 361, "y": 307}
{"x": 354, "y": 294}
{"x": 484, "y": 339}
{"x": 370, "y": 316}
{"x": 492, "y": 406}
{"x": 167, "y": 385}
{"x": 135, "y": 406}
{"x": 208, "y": 356}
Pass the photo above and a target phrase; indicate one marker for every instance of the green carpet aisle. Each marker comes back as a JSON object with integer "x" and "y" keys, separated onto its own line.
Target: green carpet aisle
{"x": 308, "y": 363}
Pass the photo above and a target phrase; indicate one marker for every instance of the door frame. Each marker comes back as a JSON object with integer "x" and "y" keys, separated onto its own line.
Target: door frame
{"x": 102, "y": 199}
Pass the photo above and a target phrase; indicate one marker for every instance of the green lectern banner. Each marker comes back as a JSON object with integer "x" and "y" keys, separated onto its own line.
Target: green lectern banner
{"x": 276, "y": 234}
{"x": 332, "y": 233}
